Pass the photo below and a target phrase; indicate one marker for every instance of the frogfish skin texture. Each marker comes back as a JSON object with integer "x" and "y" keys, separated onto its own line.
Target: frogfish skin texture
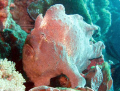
{"x": 59, "y": 43}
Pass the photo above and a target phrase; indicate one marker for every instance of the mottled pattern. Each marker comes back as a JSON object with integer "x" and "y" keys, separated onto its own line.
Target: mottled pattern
{"x": 59, "y": 44}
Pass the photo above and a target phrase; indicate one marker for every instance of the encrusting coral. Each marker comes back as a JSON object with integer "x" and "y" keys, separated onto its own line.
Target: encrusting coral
{"x": 105, "y": 16}
{"x": 10, "y": 79}
{"x": 107, "y": 79}
{"x": 59, "y": 43}
{"x": 47, "y": 88}
{"x": 3, "y": 13}
{"x": 12, "y": 37}
{"x": 78, "y": 7}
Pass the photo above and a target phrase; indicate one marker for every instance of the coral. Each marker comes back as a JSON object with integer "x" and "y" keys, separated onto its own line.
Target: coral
{"x": 94, "y": 78}
{"x": 25, "y": 11}
{"x": 106, "y": 70}
{"x": 49, "y": 88}
{"x": 78, "y": 7}
{"x": 104, "y": 14}
{"x": 5, "y": 16}
{"x": 101, "y": 3}
{"x": 46, "y": 88}
{"x": 107, "y": 21}
{"x": 12, "y": 42}
{"x": 12, "y": 37}
{"x": 34, "y": 9}
{"x": 94, "y": 62}
{"x": 41, "y": 6}
{"x": 59, "y": 43}
{"x": 4, "y": 49}
{"x": 3, "y": 13}
{"x": 107, "y": 79}
{"x": 20, "y": 15}
{"x": 11, "y": 79}
{"x": 38, "y": 7}
{"x": 92, "y": 11}
{"x": 100, "y": 15}
{"x": 97, "y": 79}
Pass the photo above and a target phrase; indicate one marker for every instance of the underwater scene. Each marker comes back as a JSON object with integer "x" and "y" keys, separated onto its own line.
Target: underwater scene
{"x": 59, "y": 45}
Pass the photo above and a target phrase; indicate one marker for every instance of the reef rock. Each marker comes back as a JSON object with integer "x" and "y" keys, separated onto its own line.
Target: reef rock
{"x": 59, "y": 43}
{"x": 46, "y": 88}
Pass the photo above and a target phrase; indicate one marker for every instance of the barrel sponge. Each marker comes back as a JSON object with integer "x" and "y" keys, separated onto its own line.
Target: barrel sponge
{"x": 11, "y": 79}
